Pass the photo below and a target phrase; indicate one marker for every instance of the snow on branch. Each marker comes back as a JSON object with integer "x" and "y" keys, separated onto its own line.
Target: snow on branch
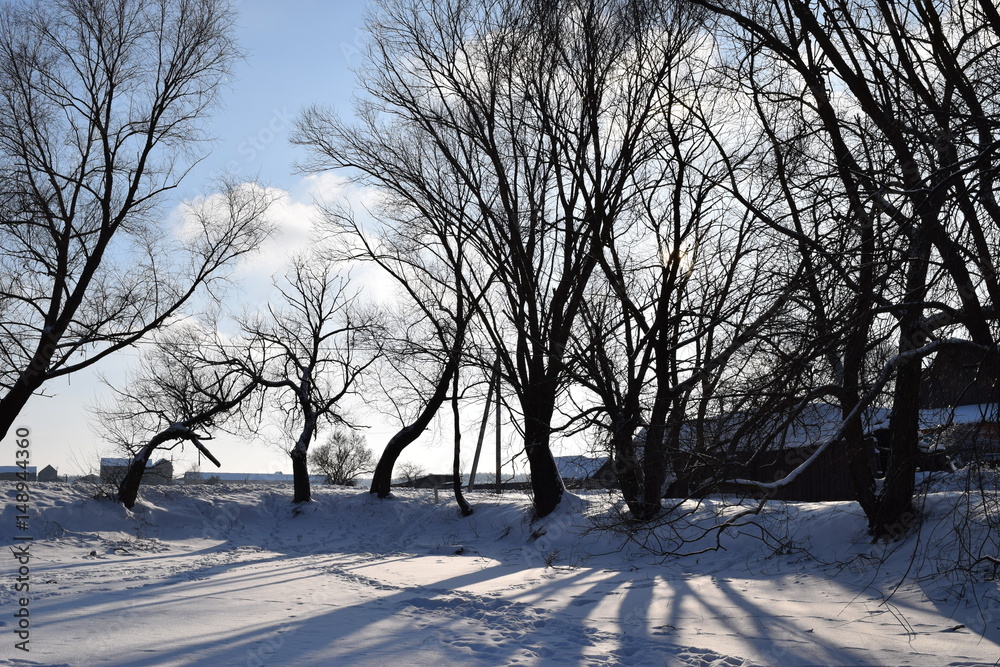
{"x": 884, "y": 376}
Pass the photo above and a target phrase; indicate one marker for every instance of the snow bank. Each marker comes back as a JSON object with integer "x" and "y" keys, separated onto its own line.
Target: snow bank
{"x": 230, "y": 574}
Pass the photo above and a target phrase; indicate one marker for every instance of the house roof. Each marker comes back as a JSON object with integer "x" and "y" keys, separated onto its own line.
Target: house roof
{"x": 112, "y": 462}
{"x": 813, "y": 423}
{"x": 963, "y": 374}
{"x": 579, "y": 467}
{"x": 247, "y": 476}
{"x": 962, "y": 414}
{"x": 9, "y": 469}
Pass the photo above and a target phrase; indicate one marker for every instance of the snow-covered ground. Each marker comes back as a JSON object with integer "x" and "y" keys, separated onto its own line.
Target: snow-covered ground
{"x": 232, "y": 575}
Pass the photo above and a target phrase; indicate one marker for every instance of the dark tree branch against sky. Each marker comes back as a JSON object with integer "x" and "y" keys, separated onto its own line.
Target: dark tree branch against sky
{"x": 100, "y": 105}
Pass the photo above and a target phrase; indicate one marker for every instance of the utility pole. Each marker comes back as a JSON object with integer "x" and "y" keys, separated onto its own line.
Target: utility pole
{"x": 496, "y": 427}
{"x": 482, "y": 425}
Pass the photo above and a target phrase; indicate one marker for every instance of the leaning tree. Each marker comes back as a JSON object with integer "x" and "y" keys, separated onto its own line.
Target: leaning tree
{"x": 100, "y": 106}
{"x": 427, "y": 329}
{"x": 538, "y": 117}
{"x": 884, "y": 116}
{"x": 313, "y": 341}
{"x": 190, "y": 383}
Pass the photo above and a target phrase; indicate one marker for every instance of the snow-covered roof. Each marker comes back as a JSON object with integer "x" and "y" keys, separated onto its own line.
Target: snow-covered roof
{"x": 247, "y": 476}
{"x": 815, "y": 423}
{"x": 9, "y": 469}
{"x": 962, "y": 414}
{"x": 113, "y": 461}
{"x": 579, "y": 467}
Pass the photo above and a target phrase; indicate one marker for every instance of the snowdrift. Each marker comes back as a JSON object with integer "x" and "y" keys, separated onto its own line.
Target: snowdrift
{"x": 237, "y": 575}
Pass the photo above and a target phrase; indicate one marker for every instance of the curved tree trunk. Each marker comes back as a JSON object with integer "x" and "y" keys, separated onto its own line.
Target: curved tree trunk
{"x": 15, "y": 399}
{"x": 456, "y": 467}
{"x": 382, "y": 478}
{"x": 302, "y": 492}
{"x": 128, "y": 488}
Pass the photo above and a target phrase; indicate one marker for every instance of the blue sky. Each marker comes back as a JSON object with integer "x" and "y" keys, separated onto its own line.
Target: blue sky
{"x": 298, "y": 52}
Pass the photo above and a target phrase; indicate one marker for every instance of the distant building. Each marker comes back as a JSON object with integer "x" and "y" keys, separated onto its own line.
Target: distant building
{"x": 195, "y": 477}
{"x": 429, "y": 482}
{"x": 606, "y": 477}
{"x": 48, "y": 474}
{"x": 963, "y": 374}
{"x": 959, "y": 396}
{"x": 161, "y": 472}
{"x": 113, "y": 471}
{"x": 585, "y": 471}
{"x": 767, "y": 453}
{"x": 16, "y": 473}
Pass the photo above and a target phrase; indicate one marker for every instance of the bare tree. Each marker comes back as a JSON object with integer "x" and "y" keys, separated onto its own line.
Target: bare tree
{"x": 343, "y": 457}
{"x": 897, "y": 96}
{"x": 100, "y": 104}
{"x": 660, "y": 348}
{"x": 314, "y": 342}
{"x": 409, "y": 471}
{"x": 423, "y": 349}
{"x": 189, "y": 383}
{"x": 536, "y": 117}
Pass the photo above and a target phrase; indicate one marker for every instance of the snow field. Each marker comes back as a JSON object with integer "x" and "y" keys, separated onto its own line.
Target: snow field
{"x": 235, "y": 575}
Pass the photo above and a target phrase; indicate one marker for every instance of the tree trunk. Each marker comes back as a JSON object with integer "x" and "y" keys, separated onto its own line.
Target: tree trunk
{"x": 626, "y": 463}
{"x": 859, "y": 449}
{"x": 895, "y": 514}
{"x": 546, "y": 484}
{"x": 456, "y": 466}
{"x": 482, "y": 426}
{"x": 654, "y": 471}
{"x": 14, "y": 400}
{"x": 654, "y": 454}
{"x": 859, "y": 460}
{"x": 859, "y": 463}
{"x": 302, "y": 492}
{"x": 128, "y": 488}
{"x": 382, "y": 478}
